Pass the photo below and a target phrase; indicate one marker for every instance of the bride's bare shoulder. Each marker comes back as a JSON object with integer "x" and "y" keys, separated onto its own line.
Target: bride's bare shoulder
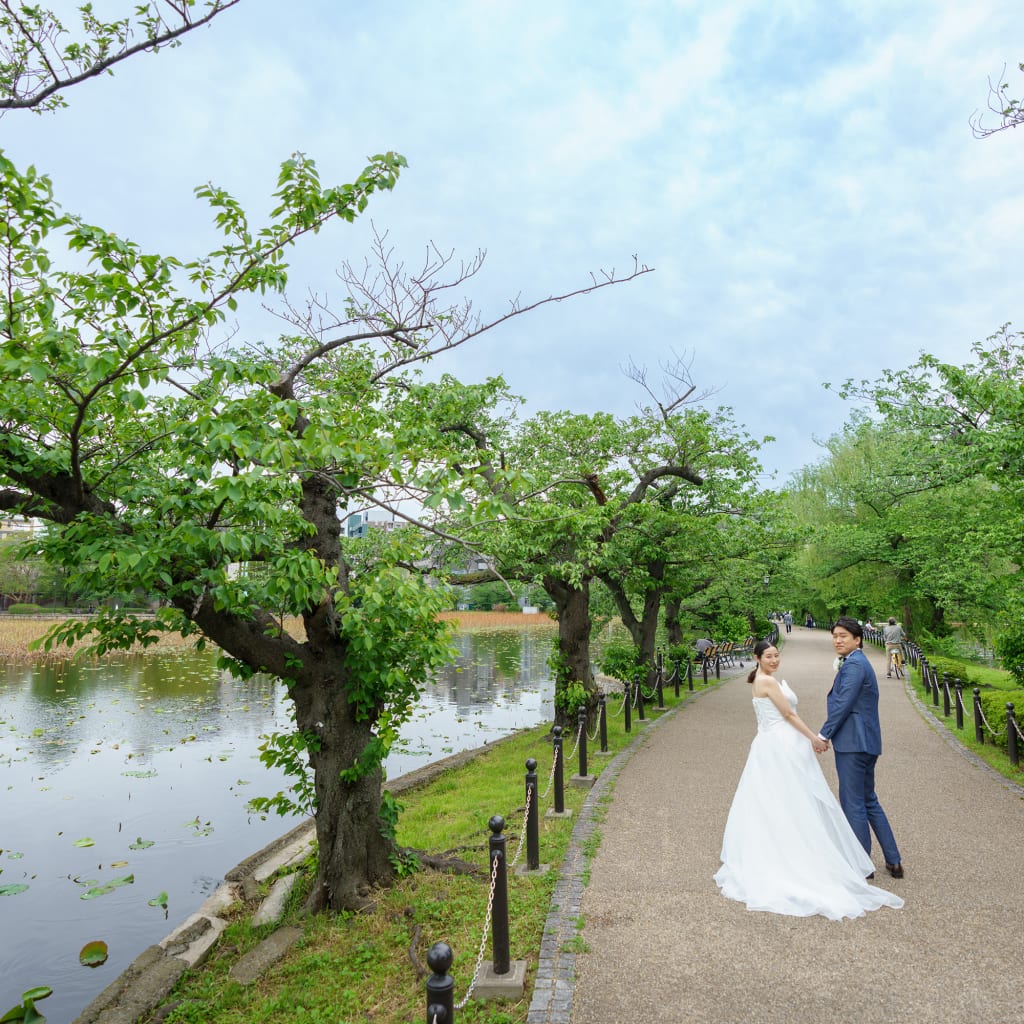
{"x": 765, "y": 685}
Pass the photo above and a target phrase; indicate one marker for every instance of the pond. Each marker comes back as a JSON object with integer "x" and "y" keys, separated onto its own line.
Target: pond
{"x": 124, "y": 788}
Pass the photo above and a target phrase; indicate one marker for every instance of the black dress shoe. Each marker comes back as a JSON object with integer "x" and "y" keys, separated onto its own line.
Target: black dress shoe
{"x": 896, "y": 870}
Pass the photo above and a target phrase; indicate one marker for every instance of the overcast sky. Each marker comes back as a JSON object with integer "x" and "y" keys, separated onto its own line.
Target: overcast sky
{"x": 801, "y": 174}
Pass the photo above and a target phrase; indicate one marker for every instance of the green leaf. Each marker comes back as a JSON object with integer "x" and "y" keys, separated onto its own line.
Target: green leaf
{"x": 13, "y": 889}
{"x": 84, "y": 842}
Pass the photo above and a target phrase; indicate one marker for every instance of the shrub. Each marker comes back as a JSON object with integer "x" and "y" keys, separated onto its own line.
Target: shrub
{"x": 621, "y": 661}
{"x": 993, "y": 707}
{"x": 25, "y": 609}
{"x": 1010, "y": 648}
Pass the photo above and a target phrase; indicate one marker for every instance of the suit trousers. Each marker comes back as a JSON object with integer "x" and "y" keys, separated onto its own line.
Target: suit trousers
{"x": 857, "y": 797}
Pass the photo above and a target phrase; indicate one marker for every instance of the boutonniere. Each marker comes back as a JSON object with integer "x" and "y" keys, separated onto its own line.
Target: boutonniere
{"x": 838, "y": 664}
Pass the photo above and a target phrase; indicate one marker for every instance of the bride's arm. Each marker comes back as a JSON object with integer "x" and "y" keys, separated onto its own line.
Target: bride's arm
{"x": 773, "y": 691}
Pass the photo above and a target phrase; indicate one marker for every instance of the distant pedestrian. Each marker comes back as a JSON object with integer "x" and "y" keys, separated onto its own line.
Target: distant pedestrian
{"x": 787, "y": 619}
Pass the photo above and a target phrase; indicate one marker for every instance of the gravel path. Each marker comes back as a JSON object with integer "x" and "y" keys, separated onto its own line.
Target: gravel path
{"x": 664, "y": 946}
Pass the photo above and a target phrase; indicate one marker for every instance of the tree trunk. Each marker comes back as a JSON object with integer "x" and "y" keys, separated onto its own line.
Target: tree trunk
{"x": 572, "y": 604}
{"x": 643, "y": 630}
{"x": 353, "y": 856}
{"x": 673, "y": 630}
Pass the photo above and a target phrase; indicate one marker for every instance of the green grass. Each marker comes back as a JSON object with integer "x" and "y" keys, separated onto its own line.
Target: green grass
{"x": 359, "y": 968}
{"x": 995, "y": 756}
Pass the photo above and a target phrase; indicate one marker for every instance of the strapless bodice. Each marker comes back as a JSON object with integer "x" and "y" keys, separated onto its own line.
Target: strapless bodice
{"x": 768, "y": 715}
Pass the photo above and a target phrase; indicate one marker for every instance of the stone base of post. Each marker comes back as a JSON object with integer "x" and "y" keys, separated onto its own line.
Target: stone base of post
{"x": 525, "y": 872}
{"x": 582, "y": 781}
{"x": 552, "y": 813}
{"x": 501, "y": 986}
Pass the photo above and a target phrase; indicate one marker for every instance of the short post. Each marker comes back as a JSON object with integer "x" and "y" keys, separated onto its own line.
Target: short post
{"x": 704, "y": 667}
{"x": 581, "y": 716}
{"x": 440, "y": 985}
{"x": 959, "y": 703}
{"x": 660, "y": 685}
{"x": 718, "y": 666}
{"x": 979, "y": 732}
{"x": 640, "y": 702}
{"x": 935, "y": 687}
{"x": 675, "y": 675}
{"x": 924, "y": 673}
{"x": 689, "y": 672}
{"x": 627, "y": 708}
{"x": 945, "y": 695}
{"x": 499, "y": 911}
{"x": 602, "y": 711}
{"x": 556, "y": 744}
{"x": 1011, "y": 735}
{"x": 532, "y": 817}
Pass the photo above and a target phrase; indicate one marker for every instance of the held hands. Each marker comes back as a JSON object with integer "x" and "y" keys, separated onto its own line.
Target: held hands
{"x": 820, "y": 745}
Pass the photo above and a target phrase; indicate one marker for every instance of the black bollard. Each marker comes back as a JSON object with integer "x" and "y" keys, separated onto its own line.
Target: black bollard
{"x": 675, "y": 676}
{"x": 532, "y": 817}
{"x": 935, "y": 687}
{"x": 582, "y": 745}
{"x": 704, "y": 668}
{"x": 602, "y": 710}
{"x": 660, "y": 687}
{"x": 1011, "y": 736}
{"x": 440, "y": 985}
{"x": 979, "y": 732}
{"x": 640, "y": 701}
{"x": 959, "y": 703}
{"x": 556, "y": 743}
{"x": 627, "y": 707}
{"x": 718, "y": 664}
{"x": 924, "y": 673}
{"x": 689, "y": 672}
{"x": 945, "y": 695}
{"x": 501, "y": 960}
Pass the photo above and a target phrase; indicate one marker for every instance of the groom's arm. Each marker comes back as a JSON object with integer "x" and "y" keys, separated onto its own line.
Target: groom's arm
{"x": 845, "y": 695}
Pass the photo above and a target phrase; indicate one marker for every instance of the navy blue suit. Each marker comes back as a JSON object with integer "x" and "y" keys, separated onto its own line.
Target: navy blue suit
{"x": 856, "y": 736}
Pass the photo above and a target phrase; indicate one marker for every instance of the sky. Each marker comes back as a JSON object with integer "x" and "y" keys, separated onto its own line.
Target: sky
{"x": 801, "y": 175}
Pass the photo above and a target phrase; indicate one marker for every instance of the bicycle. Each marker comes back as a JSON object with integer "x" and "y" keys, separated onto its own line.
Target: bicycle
{"x": 895, "y": 663}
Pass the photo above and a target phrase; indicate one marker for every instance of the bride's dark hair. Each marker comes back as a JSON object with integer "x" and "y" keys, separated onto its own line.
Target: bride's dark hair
{"x": 759, "y": 648}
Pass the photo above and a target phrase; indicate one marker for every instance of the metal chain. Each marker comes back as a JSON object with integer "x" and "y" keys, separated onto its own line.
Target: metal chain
{"x": 597, "y": 725}
{"x": 551, "y": 777}
{"x": 483, "y": 938}
{"x": 622, "y": 706}
{"x": 579, "y": 733}
{"x": 526, "y": 818}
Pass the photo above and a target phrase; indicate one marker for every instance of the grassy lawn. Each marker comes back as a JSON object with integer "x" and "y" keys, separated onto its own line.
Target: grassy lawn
{"x": 363, "y": 968}
{"x": 989, "y": 678}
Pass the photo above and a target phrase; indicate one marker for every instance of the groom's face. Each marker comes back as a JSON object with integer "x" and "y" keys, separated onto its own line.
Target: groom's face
{"x": 844, "y": 641}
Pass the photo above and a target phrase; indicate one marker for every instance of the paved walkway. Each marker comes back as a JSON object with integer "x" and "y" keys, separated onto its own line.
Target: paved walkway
{"x": 664, "y": 946}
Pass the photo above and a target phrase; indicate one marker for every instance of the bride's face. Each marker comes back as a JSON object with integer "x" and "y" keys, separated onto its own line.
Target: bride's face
{"x": 769, "y": 660}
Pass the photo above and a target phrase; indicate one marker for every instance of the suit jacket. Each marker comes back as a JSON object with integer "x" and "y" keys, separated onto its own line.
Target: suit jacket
{"x": 852, "y": 724}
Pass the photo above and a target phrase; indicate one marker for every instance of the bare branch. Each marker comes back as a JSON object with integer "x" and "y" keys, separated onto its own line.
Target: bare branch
{"x": 678, "y": 387}
{"x": 1009, "y": 111}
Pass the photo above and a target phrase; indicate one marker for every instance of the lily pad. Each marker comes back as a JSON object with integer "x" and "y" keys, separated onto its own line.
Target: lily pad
{"x": 102, "y": 890}
{"x": 84, "y": 842}
{"x": 93, "y": 954}
{"x": 159, "y": 901}
{"x": 13, "y": 889}
{"x": 150, "y": 774}
{"x": 141, "y": 844}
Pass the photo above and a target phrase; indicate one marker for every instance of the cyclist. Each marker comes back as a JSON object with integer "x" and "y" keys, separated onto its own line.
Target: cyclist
{"x": 893, "y": 635}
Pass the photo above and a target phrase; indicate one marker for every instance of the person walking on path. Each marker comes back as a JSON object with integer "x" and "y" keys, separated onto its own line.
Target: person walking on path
{"x": 787, "y": 847}
{"x": 787, "y": 620}
{"x": 855, "y": 733}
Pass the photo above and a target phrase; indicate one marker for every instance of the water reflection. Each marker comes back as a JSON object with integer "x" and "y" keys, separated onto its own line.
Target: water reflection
{"x": 163, "y": 748}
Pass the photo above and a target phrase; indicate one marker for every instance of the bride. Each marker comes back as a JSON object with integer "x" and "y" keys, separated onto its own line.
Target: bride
{"x": 788, "y": 847}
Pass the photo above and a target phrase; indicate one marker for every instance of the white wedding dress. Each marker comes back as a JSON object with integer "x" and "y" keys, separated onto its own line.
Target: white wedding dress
{"x": 788, "y": 848}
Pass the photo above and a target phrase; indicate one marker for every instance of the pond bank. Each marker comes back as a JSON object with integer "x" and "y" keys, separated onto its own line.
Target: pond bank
{"x": 151, "y": 976}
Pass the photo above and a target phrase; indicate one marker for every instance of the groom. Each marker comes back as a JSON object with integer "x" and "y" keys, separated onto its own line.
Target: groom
{"x": 856, "y": 736}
